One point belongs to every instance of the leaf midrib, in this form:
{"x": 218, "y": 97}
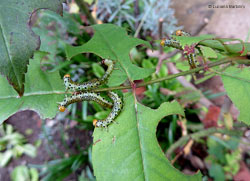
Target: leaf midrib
{"x": 135, "y": 104}
{"x": 113, "y": 51}
{"x": 138, "y": 133}
{"x": 34, "y": 94}
{"x": 8, "y": 53}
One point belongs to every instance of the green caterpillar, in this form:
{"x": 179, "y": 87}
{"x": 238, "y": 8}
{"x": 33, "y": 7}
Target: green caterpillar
{"x": 84, "y": 96}
{"x": 172, "y": 43}
{"x": 175, "y": 44}
{"x": 90, "y": 85}
{"x": 181, "y": 33}
{"x": 117, "y": 107}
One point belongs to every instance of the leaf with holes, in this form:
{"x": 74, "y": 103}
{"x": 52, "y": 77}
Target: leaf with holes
{"x": 112, "y": 42}
{"x": 130, "y": 150}
{"x": 17, "y": 41}
{"x": 42, "y": 92}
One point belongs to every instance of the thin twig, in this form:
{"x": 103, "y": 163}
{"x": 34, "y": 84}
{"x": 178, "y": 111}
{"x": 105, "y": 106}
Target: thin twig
{"x": 169, "y": 77}
{"x": 201, "y": 27}
{"x": 83, "y": 7}
{"x": 143, "y": 19}
{"x": 225, "y": 108}
{"x": 163, "y": 57}
{"x": 224, "y": 61}
{"x": 203, "y": 100}
{"x": 136, "y": 12}
{"x": 160, "y": 23}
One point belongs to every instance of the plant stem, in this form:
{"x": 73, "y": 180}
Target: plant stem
{"x": 160, "y": 24}
{"x": 136, "y": 12}
{"x": 223, "y": 61}
{"x": 143, "y": 19}
{"x": 203, "y": 133}
{"x": 83, "y": 7}
{"x": 226, "y": 60}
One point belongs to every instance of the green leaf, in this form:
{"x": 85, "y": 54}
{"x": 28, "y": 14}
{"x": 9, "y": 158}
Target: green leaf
{"x": 42, "y": 92}
{"x": 112, "y": 42}
{"x": 20, "y": 173}
{"x": 190, "y": 40}
{"x": 34, "y": 174}
{"x": 208, "y": 52}
{"x": 29, "y": 149}
{"x": 216, "y": 172}
{"x": 17, "y": 41}
{"x": 5, "y": 158}
{"x": 235, "y": 48}
{"x": 233, "y": 160}
{"x": 101, "y": 114}
{"x": 129, "y": 150}
{"x": 237, "y": 85}
{"x": 216, "y": 150}
{"x": 89, "y": 1}
{"x": 98, "y": 70}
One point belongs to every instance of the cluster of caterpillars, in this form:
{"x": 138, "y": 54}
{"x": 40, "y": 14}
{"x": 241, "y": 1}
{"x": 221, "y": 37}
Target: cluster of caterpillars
{"x": 176, "y": 44}
{"x": 84, "y": 92}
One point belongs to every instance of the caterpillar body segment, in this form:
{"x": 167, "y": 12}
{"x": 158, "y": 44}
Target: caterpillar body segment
{"x": 84, "y": 96}
{"x": 83, "y": 92}
{"x": 191, "y": 60}
{"x": 181, "y": 33}
{"x": 75, "y": 87}
{"x": 171, "y": 43}
{"x": 117, "y": 107}
{"x": 110, "y": 64}
{"x": 90, "y": 85}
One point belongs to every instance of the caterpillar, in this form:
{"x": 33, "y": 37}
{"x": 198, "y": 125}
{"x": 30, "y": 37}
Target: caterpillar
{"x": 175, "y": 44}
{"x": 117, "y": 107}
{"x": 84, "y": 96}
{"x": 191, "y": 60}
{"x": 81, "y": 92}
{"x": 171, "y": 43}
{"x": 181, "y": 33}
{"x": 75, "y": 87}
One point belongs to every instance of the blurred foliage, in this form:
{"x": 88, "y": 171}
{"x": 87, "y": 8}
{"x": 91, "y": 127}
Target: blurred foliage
{"x": 150, "y": 11}
{"x": 154, "y": 10}
{"x": 13, "y": 144}
{"x": 224, "y": 157}
{"x": 23, "y": 173}
{"x": 116, "y": 11}
{"x": 59, "y": 169}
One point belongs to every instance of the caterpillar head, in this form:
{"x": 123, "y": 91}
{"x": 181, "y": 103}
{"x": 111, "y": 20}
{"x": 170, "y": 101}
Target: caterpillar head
{"x": 163, "y": 42}
{"x": 94, "y": 122}
{"x": 107, "y": 62}
{"x": 61, "y": 108}
{"x": 98, "y": 123}
{"x": 178, "y": 33}
{"x": 181, "y": 33}
{"x": 66, "y": 76}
